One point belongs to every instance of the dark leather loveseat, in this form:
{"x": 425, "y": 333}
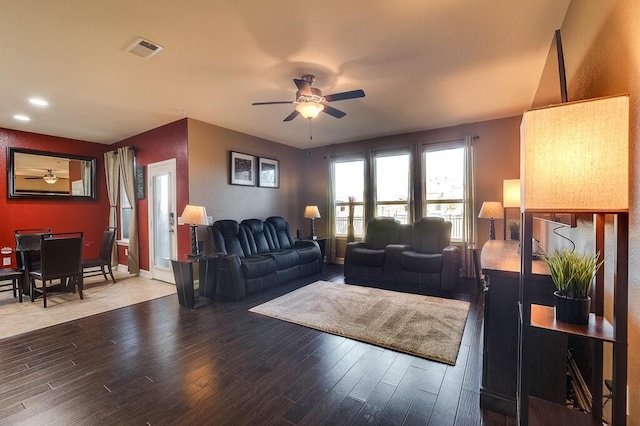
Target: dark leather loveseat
{"x": 254, "y": 255}
{"x": 417, "y": 255}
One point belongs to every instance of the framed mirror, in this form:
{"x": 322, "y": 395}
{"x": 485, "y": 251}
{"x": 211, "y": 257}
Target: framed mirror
{"x": 42, "y": 174}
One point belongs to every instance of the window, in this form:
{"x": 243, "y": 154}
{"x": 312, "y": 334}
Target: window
{"x": 348, "y": 181}
{"x": 443, "y": 180}
{"x": 392, "y": 186}
{"x": 125, "y": 214}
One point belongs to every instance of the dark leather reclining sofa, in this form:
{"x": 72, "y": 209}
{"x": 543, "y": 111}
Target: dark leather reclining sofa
{"x": 254, "y": 255}
{"x": 417, "y": 255}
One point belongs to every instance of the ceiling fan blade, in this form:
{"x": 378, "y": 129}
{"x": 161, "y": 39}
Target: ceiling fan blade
{"x": 291, "y": 116}
{"x": 272, "y": 103}
{"x": 345, "y": 95}
{"x": 303, "y": 87}
{"x": 33, "y": 177}
{"x": 333, "y": 112}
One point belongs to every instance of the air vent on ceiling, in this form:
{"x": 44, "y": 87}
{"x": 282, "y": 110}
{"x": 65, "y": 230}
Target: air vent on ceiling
{"x": 143, "y": 48}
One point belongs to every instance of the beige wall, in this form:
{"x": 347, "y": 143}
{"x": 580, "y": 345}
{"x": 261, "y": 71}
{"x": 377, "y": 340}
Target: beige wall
{"x": 496, "y": 158}
{"x": 209, "y": 148}
{"x": 601, "y": 41}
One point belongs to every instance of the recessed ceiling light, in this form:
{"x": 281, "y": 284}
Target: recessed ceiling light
{"x": 39, "y": 102}
{"x": 21, "y": 117}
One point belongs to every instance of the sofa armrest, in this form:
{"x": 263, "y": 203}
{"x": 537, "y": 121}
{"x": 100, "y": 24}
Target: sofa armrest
{"x": 348, "y": 273}
{"x": 305, "y": 243}
{"x": 231, "y": 281}
{"x": 450, "y": 268}
{"x": 392, "y": 264}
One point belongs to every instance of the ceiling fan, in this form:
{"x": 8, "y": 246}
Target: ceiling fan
{"x": 48, "y": 177}
{"x": 310, "y": 102}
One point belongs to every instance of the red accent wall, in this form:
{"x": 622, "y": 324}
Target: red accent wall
{"x": 59, "y": 215}
{"x": 163, "y": 143}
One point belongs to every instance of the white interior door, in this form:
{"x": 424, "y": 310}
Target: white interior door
{"x": 163, "y": 243}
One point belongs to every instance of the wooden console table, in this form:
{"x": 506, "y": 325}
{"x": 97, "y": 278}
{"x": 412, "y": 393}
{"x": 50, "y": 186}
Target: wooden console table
{"x": 500, "y": 263}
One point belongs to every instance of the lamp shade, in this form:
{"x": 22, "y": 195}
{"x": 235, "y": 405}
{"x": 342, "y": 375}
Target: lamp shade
{"x": 309, "y": 109}
{"x": 575, "y": 156}
{"x": 511, "y": 193}
{"x": 194, "y": 215}
{"x": 311, "y": 212}
{"x": 491, "y": 210}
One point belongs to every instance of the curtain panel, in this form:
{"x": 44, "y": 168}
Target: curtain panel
{"x": 127, "y": 170}
{"x": 469, "y": 234}
{"x": 112, "y": 174}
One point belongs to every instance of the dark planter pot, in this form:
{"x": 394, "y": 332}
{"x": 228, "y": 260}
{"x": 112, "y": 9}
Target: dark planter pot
{"x": 515, "y": 235}
{"x": 572, "y": 311}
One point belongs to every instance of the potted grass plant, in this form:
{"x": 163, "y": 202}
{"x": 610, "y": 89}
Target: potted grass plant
{"x": 350, "y": 228}
{"x": 572, "y": 274}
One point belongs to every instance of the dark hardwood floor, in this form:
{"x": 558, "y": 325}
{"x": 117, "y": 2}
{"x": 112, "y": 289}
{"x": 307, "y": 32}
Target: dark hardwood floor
{"x": 159, "y": 363}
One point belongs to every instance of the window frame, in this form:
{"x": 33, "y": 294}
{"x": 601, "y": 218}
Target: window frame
{"x": 336, "y": 204}
{"x": 459, "y": 144}
{"x": 124, "y": 204}
{"x": 374, "y": 178}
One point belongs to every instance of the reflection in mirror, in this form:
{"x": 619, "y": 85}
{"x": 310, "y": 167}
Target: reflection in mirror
{"x": 45, "y": 174}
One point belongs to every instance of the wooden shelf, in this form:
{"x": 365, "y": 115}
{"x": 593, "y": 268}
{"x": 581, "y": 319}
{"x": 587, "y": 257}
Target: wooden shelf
{"x": 546, "y": 413}
{"x": 598, "y": 327}
{"x": 599, "y": 330}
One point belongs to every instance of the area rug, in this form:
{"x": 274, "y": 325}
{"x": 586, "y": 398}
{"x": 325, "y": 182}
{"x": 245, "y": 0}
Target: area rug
{"x": 429, "y": 327}
{"x": 99, "y": 296}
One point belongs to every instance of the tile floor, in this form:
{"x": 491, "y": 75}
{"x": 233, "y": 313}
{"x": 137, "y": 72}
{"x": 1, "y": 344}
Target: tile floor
{"x": 99, "y": 296}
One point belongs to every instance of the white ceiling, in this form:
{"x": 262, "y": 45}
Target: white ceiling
{"x": 422, "y": 63}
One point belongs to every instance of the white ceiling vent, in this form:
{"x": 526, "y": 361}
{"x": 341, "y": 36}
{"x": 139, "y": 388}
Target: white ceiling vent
{"x": 143, "y": 48}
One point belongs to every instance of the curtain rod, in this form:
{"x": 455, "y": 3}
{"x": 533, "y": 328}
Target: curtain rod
{"x": 115, "y": 151}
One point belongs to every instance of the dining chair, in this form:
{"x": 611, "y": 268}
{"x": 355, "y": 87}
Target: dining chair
{"x": 95, "y": 267}
{"x": 15, "y": 276}
{"x": 28, "y": 252}
{"x": 28, "y": 247}
{"x": 60, "y": 259}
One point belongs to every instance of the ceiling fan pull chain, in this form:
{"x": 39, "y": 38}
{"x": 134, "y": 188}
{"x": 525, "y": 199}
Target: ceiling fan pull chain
{"x": 310, "y": 134}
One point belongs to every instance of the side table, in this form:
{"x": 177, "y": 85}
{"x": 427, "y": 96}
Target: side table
{"x": 183, "y": 272}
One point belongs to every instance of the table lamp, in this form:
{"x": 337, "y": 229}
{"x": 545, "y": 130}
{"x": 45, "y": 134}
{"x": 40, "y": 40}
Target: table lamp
{"x": 194, "y": 216}
{"x": 312, "y": 212}
{"x": 491, "y": 210}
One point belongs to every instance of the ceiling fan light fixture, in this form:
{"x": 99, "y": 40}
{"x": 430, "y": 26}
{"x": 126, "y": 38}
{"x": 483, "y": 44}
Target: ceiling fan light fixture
{"x": 50, "y": 178}
{"x": 309, "y": 109}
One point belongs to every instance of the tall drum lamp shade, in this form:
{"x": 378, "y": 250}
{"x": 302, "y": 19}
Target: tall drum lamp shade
{"x": 312, "y": 212}
{"x": 491, "y": 210}
{"x": 510, "y": 199}
{"x": 575, "y": 156}
{"x": 194, "y": 216}
{"x": 511, "y": 193}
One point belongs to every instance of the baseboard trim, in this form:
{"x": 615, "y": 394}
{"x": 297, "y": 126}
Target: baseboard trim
{"x": 143, "y": 273}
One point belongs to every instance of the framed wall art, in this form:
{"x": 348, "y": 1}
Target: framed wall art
{"x": 243, "y": 169}
{"x": 268, "y": 173}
